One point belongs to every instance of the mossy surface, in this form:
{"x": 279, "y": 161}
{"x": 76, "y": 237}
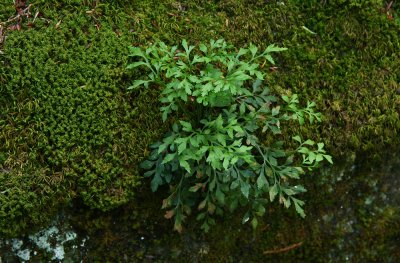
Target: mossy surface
{"x": 355, "y": 218}
{"x": 69, "y": 129}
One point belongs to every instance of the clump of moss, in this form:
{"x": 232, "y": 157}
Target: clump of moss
{"x": 68, "y": 128}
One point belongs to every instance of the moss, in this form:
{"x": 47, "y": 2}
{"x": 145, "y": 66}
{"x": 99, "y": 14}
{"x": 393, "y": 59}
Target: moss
{"x": 68, "y": 125}
{"x": 341, "y": 224}
{"x": 69, "y": 129}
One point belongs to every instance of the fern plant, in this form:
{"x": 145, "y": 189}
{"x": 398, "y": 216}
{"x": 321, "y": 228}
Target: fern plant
{"x": 214, "y": 159}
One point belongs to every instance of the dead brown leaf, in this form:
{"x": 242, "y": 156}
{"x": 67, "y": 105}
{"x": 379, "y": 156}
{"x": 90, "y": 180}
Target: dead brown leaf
{"x": 14, "y": 27}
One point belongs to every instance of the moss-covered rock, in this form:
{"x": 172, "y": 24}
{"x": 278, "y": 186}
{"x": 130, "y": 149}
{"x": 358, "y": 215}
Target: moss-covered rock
{"x": 69, "y": 129}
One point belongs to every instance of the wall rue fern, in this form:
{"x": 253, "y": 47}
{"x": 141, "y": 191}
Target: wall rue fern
{"x": 212, "y": 158}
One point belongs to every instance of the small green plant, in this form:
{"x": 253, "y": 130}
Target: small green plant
{"x": 213, "y": 159}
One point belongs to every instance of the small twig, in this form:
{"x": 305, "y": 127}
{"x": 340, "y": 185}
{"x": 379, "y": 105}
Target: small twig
{"x": 11, "y": 19}
{"x": 281, "y": 250}
{"x": 389, "y": 6}
{"x": 24, "y": 12}
{"x": 34, "y": 18}
{"x": 27, "y": 9}
{"x": 58, "y": 24}
{"x": 48, "y": 21}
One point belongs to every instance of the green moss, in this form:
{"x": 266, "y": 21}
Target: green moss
{"x": 69, "y": 129}
{"x": 342, "y": 222}
{"x": 67, "y": 123}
